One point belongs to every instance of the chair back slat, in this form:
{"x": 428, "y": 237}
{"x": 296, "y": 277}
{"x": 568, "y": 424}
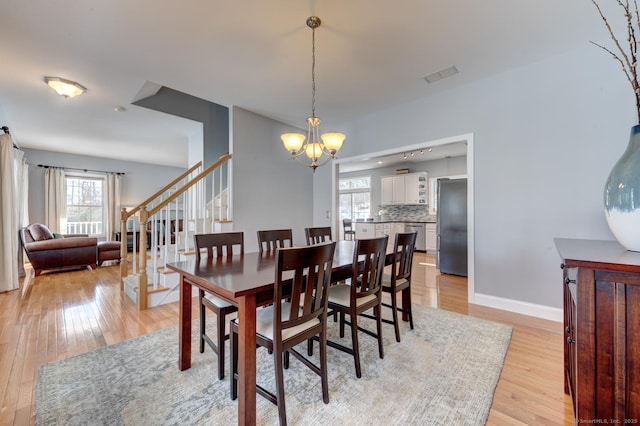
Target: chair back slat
{"x": 403, "y": 251}
{"x": 307, "y": 270}
{"x": 369, "y": 276}
{"x": 219, "y": 244}
{"x": 318, "y": 235}
{"x": 272, "y": 239}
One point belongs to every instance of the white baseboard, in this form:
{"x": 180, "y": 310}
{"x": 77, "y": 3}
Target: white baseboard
{"x": 525, "y": 308}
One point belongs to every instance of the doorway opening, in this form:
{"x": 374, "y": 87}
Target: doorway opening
{"x": 371, "y": 160}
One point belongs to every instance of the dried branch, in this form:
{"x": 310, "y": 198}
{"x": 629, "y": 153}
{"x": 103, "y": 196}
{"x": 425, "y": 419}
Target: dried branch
{"x": 627, "y": 59}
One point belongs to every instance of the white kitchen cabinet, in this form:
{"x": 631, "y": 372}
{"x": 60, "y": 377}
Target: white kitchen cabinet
{"x": 382, "y": 229}
{"x": 432, "y": 237}
{"x": 390, "y": 229}
{"x": 410, "y": 188}
{"x": 365, "y": 230}
{"x": 415, "y": 188}
{"x": 392, "y": 189}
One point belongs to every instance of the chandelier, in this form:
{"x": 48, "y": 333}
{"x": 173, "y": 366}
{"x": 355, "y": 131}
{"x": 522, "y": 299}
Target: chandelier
{"x": 316, "y": 147}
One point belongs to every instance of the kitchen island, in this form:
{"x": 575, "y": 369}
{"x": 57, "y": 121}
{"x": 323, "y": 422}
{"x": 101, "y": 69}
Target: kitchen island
{"x": 426, "y": 229}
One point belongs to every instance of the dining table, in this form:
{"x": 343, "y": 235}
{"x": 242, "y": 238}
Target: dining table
{"x": 247, "y": 281}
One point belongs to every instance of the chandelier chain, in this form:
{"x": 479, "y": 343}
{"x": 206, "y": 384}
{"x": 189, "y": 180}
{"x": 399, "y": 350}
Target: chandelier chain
{"x": 313, "y": 72}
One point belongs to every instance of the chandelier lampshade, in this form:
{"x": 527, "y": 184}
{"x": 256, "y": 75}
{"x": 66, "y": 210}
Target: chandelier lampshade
{"x": 293, "y": 141}
{"x": 319, "y": 149}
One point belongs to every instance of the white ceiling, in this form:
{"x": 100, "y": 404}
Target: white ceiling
{"x": 405, "y": 159}
{"x": 256, "y": 54}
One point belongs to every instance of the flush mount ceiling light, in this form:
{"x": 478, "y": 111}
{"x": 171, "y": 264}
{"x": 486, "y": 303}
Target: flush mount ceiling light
{"x": 313, "y": 147}
{"x": 65, "y": 88}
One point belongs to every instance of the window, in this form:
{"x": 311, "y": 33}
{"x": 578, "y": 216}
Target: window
{"x": 355, "y": 197}
{"x": 85, "y": 205}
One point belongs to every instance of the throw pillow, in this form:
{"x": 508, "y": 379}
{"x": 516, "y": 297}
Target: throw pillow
{"x": 40, "y": 232}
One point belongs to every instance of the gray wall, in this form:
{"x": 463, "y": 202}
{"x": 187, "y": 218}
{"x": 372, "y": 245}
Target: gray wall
{"x": 139, "y": 182}
{"x": 545, "y": 137}
{"x": 214, "y": 119}
{"x": 270, "y": 191}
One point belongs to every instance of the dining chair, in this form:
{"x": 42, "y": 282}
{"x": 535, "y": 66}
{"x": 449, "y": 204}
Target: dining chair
{"x": 271, "y": 239}
{"x": 318, "y": 235}
{"x": 362, "y": 294}
{"x": 298, "y": 312}
{"x": 399, "y": 280}
{"x": 216, "y": 245}
{"x": 349, "y": 232}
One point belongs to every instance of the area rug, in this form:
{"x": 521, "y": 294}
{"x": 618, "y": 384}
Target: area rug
{"x": 444, "y": 372}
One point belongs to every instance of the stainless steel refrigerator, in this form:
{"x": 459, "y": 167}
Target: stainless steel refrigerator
{"x": 451, "y": 255}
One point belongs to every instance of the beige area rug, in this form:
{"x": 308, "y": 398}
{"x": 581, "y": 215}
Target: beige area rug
{"x": 444, "y": 372}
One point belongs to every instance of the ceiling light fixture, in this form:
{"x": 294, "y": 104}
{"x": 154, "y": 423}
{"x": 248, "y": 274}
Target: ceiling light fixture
{"x": 313, "y": 148}
{"x": 65, "y": 88}
{"x": 439, "y": 75}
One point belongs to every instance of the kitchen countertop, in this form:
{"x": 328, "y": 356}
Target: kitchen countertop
{"x": 426, "y": 220}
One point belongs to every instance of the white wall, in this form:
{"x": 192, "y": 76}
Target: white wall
{"x": 545, "y": 137}
{"x": 270, "y": 191}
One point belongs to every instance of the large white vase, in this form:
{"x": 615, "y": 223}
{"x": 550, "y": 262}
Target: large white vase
{"x": 622, "y": 195}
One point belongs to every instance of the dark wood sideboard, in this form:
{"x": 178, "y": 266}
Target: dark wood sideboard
{"x": 602, "y": 330}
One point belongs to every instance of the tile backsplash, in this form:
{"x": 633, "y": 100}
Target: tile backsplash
{"x": 403, "y": 212}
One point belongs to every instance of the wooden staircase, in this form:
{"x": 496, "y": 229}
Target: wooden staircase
{"x": 194, "y": 202}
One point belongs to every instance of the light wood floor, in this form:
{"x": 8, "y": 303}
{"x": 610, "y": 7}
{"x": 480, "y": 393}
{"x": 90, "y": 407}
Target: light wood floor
{"x": 64, "y": 314}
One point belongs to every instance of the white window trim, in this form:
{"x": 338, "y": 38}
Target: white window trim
{"x": 103, "y": 178}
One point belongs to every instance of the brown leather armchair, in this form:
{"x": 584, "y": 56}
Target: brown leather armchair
{"x": 48, "y": 252}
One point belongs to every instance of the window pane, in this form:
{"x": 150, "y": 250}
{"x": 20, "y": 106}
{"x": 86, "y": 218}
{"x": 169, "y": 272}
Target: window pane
{"x": 355, "y": 197}
{"x": 346, "y": 208}
{"x": 355, "y": 205}
{"x": 361, "y": 202}
{"x": 362, "y": 182}
{"x": 85, "y": 207}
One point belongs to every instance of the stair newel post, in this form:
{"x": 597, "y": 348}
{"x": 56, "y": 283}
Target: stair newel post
{"x": 124, "y": 270}
{"x": 142, "y": 273}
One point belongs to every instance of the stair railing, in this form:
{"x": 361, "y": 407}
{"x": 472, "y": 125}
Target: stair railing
{"x": 187, "y": 188}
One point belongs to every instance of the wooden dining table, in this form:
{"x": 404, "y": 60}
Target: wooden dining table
{"x": 247, "y": 281}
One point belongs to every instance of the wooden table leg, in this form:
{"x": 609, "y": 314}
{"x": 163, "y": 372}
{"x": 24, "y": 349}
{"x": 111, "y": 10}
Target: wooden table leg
{"x": 184, "y": 328}
{"x": 247, "y": 360}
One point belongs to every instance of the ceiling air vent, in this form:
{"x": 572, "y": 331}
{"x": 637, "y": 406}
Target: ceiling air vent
{"x": 439, "y": 75}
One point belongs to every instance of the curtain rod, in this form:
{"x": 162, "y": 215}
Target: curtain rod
{"x": 5, "y": 129}
{"x": 81, "y": 170}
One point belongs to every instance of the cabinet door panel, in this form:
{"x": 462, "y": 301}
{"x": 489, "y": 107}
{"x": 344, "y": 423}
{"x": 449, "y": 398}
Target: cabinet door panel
{"x": 605, "y": 361}
{"x": 386, "y": 190}
{"x": 411, "y": 188}
{"x": 632, "y": 368}
{"x": 398, "y": 190}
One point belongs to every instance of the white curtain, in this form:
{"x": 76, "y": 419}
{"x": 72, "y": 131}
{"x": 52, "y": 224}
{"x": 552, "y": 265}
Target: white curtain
{"x": 21, "y": 176}
{"x": 13, "y": 201}
{"x": 114, "y": 189}
{"x": 55, "y": 203}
